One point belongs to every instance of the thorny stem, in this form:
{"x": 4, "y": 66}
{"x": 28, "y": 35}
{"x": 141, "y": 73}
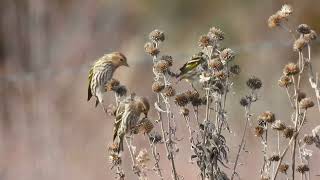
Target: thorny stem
{"x": 288, "y": 146}
{"x": 247, "y": 115}
{"x": 156, "y": 157}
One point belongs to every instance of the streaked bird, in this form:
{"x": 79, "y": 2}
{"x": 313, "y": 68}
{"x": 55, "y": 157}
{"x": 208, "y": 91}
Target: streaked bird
{"x": 127, "y": 118}
{"x": 101, "y": 72}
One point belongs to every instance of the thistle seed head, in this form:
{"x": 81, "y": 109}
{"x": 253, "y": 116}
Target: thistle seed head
{"x": 267, "y": 116}
{"x": 303, "y": 168}
{"x": 284, "y": 81}
{"x": 150, "y": 48}
{"x": 308, "y": 139}
{"x": 283, "y": 168}
{"x": 278, "y": 125}
{"x": 161, "y": 66}
{"x": 227, "y": 55}
{"x": 216, "y": 33}
{"x": 157, "y": 36}
{"x": 215, "y": 64}
{"x": 274, "y": 158}
{"x": 254, "y": 83}
{"x": 184, "y": 111}
{"x": 306, "y": 103}
{"x": 235, "y": 69}
{"x": 167, "y": 58}
{"x": 303, "y": 29}
{"x": 288, "y": 132}
{"x": 181, "y": 99}
{"x": 291, "y": 69}
{"x": 300, "y": 43}
{"x": 157, "y": 87}
{"x": 259, "y": 131}
{"x": 169, "y": 91}
{"x": 110, "y": 86}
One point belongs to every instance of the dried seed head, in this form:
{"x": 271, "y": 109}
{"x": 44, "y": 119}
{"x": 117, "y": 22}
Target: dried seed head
{"x": 215, "y": 64}
{"x": 145, "y": 126}
{"x": 283, "y": 168}
{"x": 278, "y": 125}
{"x": 184, "y": 111}
{"x": 274, "y": 20}
{"x": 150, "y": 48}
{"x": 143, "y": 158}
{"x": 299, "y": 44}
{"x": 161, "y": 66}
{"x": 227, "y": 55}
{"x": 306, "y": 103}
{"x": 267, "y": 116}
{"x": 258, "y": 131}
{"x": 181, "y": 99}
{"x": 244, "y": 101}
{"x": 284, "y": 81}
{"x": 311, "y": 36}
{"x": 157, "y": 87}
{"x": 274, "y": 158}
{"x": 156, "y": 35}
{"x": 265, "y": 178}
{"x": 291, "y": 69}
{"x": 205, "y": 41}
{"x": 262, "y": 123}
{"x": 235, "y": 69}
{"x": 155, "y": 138}
{"x": 169, "y": 91}
{"x": 303, "y": 168}
{"x": 197, "y": 102}
{"x": 288, "y": 132}
{"x": 120, "y": 90}
{"x": 216, "y": 33}
{"x": 167, "y": 58}
{"x": 220, "y": 75}
{"x": 303, "y": 29}
{"x": 254, "y": 83}
{"x": 308, "y": 139}
{"x": 301, "y": 95}
{"x": 286, "y": 10}
{"x": 110, "y": 86}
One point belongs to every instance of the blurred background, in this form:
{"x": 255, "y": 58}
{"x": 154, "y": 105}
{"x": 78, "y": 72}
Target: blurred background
{"x": 47, "y": 128}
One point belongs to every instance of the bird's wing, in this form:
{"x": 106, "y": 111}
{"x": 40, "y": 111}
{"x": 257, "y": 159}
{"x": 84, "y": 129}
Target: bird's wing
{"x": 119, "y": 114}
{"x": 190, "y": 65}
{"x": 89, "y": 83}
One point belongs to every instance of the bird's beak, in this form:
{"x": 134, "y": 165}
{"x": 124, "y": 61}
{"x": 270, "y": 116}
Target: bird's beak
{"x": 145, "y": 115}
{"x": 126, "y": 64}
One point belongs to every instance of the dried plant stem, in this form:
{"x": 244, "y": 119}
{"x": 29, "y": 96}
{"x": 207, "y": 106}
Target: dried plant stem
{"x": 278, "y": 134}
{"x": 134, "y": 166}
{"x": 205, "y": 130}
{"x": 289, "y": 97}
{"x": 288, "y": 146}
{"x": 314, "y": 81}
{"x": 247, "y": 115}
{"x": 156, "y": 158}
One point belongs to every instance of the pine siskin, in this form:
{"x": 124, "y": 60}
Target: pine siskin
{"x": 127, "y": 118}
{"x": 101, "y": 72}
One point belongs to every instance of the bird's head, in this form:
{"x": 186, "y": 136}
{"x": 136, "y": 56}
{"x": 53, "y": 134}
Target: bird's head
{"x": 118, "y": 59}
{"x": 143, "y": 105}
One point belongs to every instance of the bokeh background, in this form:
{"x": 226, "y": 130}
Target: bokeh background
{"x": 47, "y": 128}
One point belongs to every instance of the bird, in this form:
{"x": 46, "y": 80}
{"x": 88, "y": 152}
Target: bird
{"x": 127, "y": 118}
{"x": 101, "y": 72}
{"x": 191, "y": 71}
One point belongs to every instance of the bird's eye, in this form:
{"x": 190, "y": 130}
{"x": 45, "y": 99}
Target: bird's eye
{"x": 121, "y": 59}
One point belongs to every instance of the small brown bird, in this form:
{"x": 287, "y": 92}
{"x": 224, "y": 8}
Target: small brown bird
{"x": 101, "y": 72}
{"x": 127, "y": 118}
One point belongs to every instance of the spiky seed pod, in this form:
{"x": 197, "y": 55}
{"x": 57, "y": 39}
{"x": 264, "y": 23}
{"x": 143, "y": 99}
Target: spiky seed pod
{"x": 220, "y": 75}
{"x": 120, "y": 90}
{"x": 235, "y": 69}
{"x": 303, "y": 168}
{"x": 112, "y": 84}
{"x": 278, "y": 125}
{"x": 274, "y": 158}
{"x": 157, "y": 87}
{"x": 301, "y": 95}
{"x": 283, "y": 168}
{"x": 169, "y": 91}
{"x": 308, "y": 139}
{"x": 181, "y": 99}
{"x": 196, "y": 102}
{"x": 303, "y": 29}
{"x": 284, "y": 81}
{"x": 184, "y": 111}
{"x": 288, "y": 132}
{"x": 274, "y": 20}
{"x": 150, "y": 48}
{"x": 291, "y": 69}
{"x": 215, "y": 64}
{"x": 227, "y": 55}
{"x": 244, "y": 101}
{"x": 155, "y": 138}
{"x": 157, "y": 35}
{"x": 299, "y": 44}
{"x": 167, "y": 58}
{"x": 311, "y": 36}
{"x": 192, "y": 95}
{"x": 161, "y": 66}
{"x": 205, "y": 41}
{"x": 145, "y": 126}
{"x": 254, "y": 83}
{"x": 216, "y": 33}
{"x": 267, "y": 116}
{"x": 306, "y": 103}
{"x": 258, "y": 131}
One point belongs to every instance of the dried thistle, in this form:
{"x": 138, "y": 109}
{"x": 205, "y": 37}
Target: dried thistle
{"x": 157, "y": 35}
{"x": 181, "y": 99}
{"x": 155, "y": 138}
{"x": 301, "y": 95}
{"x": 274, "y": 158}
{"x": 221, "y": 75}
{"x": 120, "y": 90}
{"x": 288, "y": 132}
{"x": 286, "y": 10}
{"x": 169, "y": 91}
{"x": 265, "y": 178}
{"x": 285, "y": 81}
{"x": 161, "y": 66}
{"x": 291, "y": 69}
{"x": 303, "y": 168}
{"x": 244, "y": 101}
{"x": 184, "y": 111}
{"x": 308, "y": 139}
{"x": 215, "y": 64}
{"x": 267, "y": 116}
{"x": 259, "y": 131}
{"x": 205, "y": 41}
{"x": 283, "y": 168}
{"x": 300, "y": 43}
{"x": 303, "y": 29}
{"x": 143, "y": 158}
{"x": 274, "y": 20}
{"x": 150, "y": 48}
{"x": 157, "y": 87}
{"x": 216, "y": 33}
{"x": 235, "y": 69}
{"x": 112, "y": 84}
{"x": 254, "y": 83}
{"x": 306, "y": 103}
{"x": 227, "y": 55}
{"x": 167, "y": 58}
{"x": 311, "y": 36}
{"x": 278, "y": 125}
{"x": 145, "y": 126}
{"x": 192, "y": 95}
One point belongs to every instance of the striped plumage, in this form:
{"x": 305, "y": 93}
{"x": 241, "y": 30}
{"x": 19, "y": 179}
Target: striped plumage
{"x": 127, "y": 118}
{"x": 101, "y": 72}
